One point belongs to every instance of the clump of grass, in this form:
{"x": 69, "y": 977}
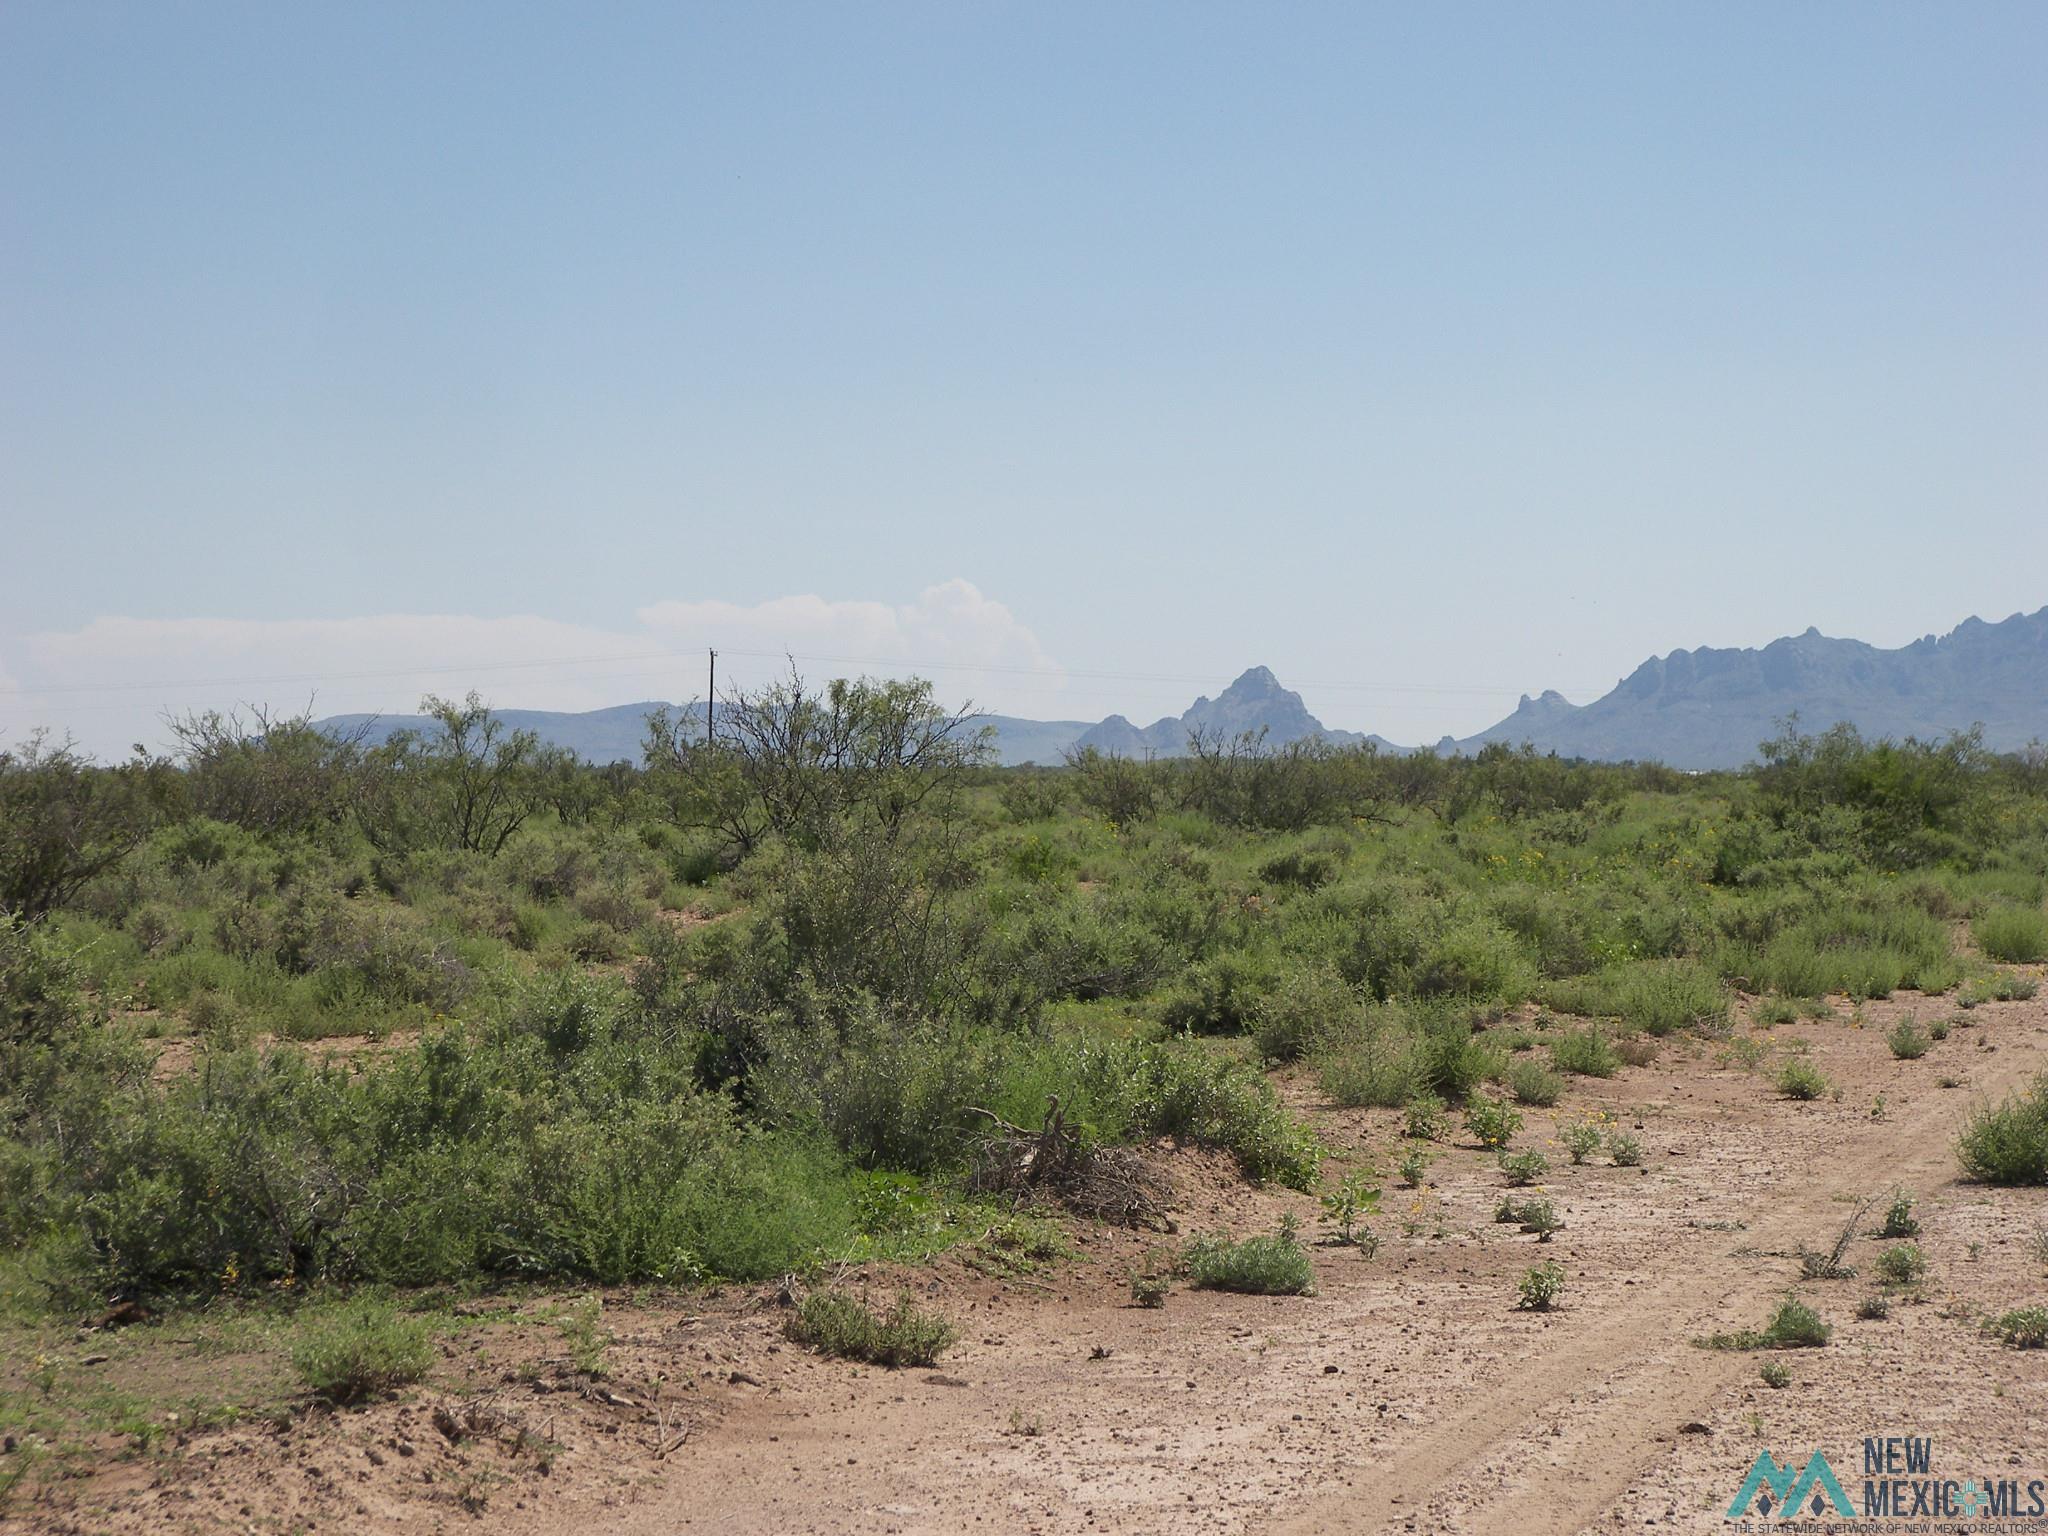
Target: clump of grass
{"x": 1533, "y": 1083}
{"x": 832, "y": 1323}
{"x": 2013, "y": 934}
{"x": 2008, "y": 1143}
{"x": 1584, "y": 1053}
{"x": 1776, "y": 1374}
{"x": 1259, "y": 1266}
{"x": 1492, "y": 1122}
{"x": 362, "y": 1350}
{"x": 2021, "y": 1328}
{"x": 1874, "y": 1309}
{"x": 1540, "y": 1287}
{"x": 1902, "y": 1264}
{"x": 1801, "y": 1079}
{"x": 1906, "y": 1041}
{"x": 1523, "y": 1168}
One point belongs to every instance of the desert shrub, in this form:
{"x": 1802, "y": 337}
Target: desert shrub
{"x": 1899, "y": 1220}
{"x": 1901, "y": 1264}
{"x": 1492, "y": 1122}
{"x": 1658, "y": 996}
{"x": 2021, "y": 1328}
{"x": 1533, "y": 1083}
{"x": 1906, "y": 1041}
{"x": 1260, "y": 1266}
{"x": 1626, "y": 1149}
{"x": 1427, "y": 1118}
{"x": 1452, "y": 1060}
{"x": 1523, "y": 1168}
{"x": 1540, "y": 1287}
{"x": 839, "y": 1325}
{"x": 1874, "y": 1309}
{"x": 1223, "y": 993}
{"x": 1775, "y": 1374}
{"x": 1556, "y": 930}
{"x": 1581, "y": 1140}
{"x": 1864, "y": 947}
{"x": 1376, "y": 1062}
{"x": 1125, "y": 1090}
{"x": 2008, "y": 1143}
{"x": 1584, "y": 1052}
{"x": 361, "y": 1350}
{"x": 1308, "y": 1003}
{"x": 1799, "y": 1078}
{"x": 1473, "y": 960}
{"x": 1794, "y": 1325}
{"x": 2016, "y": 935}
{"x": 1301, "y": 868}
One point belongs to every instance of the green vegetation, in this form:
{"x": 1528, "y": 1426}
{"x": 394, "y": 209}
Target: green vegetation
{"x": 2016, "y": 935}
{"x": 843, "y": 1326}
{"x": 2021, "y": 1328}
{"x": 1540, "y": 1287}
{"x": 362, "y": 1350}
{"x": 1260, "y": 1266}
{"x": 1800, "y": 1079}
{"x": 1794, "y": 1325}
{"x": 2008, "y": 1143}
{"x": 290, "y": 1012}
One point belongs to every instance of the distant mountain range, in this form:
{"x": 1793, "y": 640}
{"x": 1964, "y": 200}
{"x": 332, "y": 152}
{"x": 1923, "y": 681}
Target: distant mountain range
{"x": 1691, "y": 709}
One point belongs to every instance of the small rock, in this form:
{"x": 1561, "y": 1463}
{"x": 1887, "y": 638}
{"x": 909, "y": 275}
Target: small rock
{"x": 1695, "y": 1427}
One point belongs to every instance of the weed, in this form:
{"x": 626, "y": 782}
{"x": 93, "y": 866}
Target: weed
{"x": 1874, "y": 1309}
{"x": 1492, "y": 1122}
{"x": 1776, "y": 1374}
{"x": 2014, "y": 934}
{"x": 2021, "y": 1328}
{"x": 1540, "y": 1287}
{"x": 582, "y": 1329}
{"x": 1902, "y": 1264}
{"x": 1539, "y": 1217}
{"x": 363, "y": 1349}
{"x": 1533, "y": 1083}
{"x": 1584, "y": 1053}
{"x": 1352, "y": 1203}
{"x": 1523, "y": 1168}
{"x": 1794, "y": 1325}
{"x": 1625, "y": 1148}
{"x": 1801, "y": 1079}
{"x": 2008, "y": 1144}
{"x": 832, "y": 1323}
{"x": 1582, "y": 1140}
{"x": 1258, "y": 1266}
{"x": 1899, "y": 1220}
{"x": 1413, "y": 1165}
{"x": 1906, "y": 1041}
{"x": 1427, "y": 1119}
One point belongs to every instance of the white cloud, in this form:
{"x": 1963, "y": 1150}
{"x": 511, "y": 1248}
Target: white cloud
{"x": 111, "y": 682}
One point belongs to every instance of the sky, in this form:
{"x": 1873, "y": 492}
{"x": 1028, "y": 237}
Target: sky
{"x": 1074, "y": 356}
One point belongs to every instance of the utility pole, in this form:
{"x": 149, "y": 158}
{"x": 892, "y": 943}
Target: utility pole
{"x": 711, "y": 703}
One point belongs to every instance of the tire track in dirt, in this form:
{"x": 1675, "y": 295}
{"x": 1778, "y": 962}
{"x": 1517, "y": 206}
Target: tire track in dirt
{"x": 1513, "y": 1457}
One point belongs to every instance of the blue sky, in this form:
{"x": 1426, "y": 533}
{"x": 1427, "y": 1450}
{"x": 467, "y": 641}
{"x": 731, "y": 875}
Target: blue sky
{"x": 1080, "y": 356}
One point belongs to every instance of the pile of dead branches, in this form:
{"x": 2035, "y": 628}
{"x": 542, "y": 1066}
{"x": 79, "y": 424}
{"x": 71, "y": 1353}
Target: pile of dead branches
{"x": 1055, "y": 1163}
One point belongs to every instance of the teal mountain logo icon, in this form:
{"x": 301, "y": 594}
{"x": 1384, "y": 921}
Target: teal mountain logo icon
{"x": 1792, "y": 1491}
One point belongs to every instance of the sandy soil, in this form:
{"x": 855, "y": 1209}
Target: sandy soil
{"x": 1407, "y": 1394}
